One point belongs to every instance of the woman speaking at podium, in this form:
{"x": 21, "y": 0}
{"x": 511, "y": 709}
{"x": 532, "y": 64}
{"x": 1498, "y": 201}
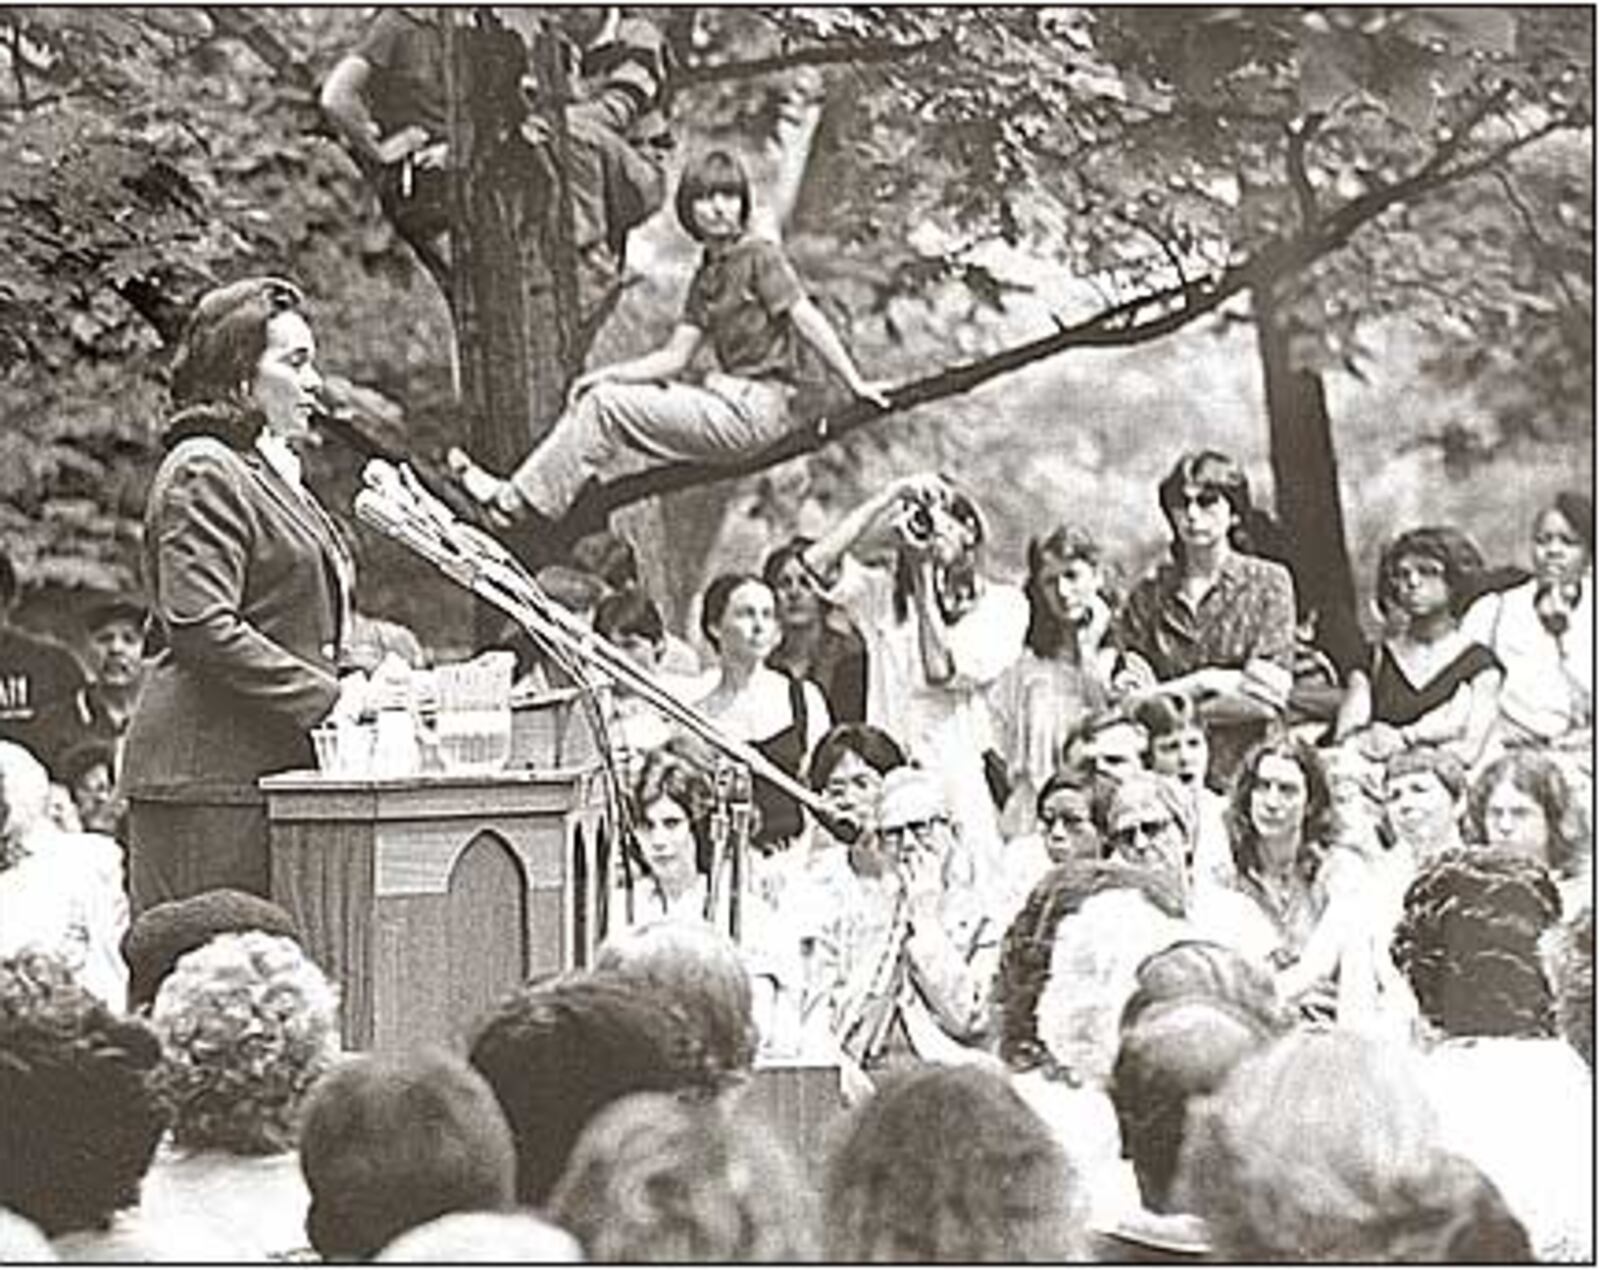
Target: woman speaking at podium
{"x": 250, "y": 596}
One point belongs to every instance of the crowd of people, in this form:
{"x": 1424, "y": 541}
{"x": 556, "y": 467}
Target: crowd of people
{"x": 1135, "y": 931}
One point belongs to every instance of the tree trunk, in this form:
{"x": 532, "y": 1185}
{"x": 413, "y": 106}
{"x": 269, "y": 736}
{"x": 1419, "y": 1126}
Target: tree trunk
{"x": 1306, "y": 475}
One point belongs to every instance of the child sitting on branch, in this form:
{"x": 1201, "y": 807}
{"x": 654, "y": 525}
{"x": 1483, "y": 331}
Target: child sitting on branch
{"x": 746, "y": 299}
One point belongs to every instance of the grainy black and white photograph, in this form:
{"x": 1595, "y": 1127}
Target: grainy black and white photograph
{"x": 759, "y": 634}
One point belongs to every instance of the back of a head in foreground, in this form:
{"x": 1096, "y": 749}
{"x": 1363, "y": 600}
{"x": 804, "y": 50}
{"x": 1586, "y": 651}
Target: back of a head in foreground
{"x": 164, "y": 932}
{"x": 484, "y": 1238}
{"x": 1569, "y": 960}
{"x": 557, "y": 1051}
{"x": 655, "y": 1178}
{"x": 79, "y": 1113}
{"x": 1173, "y": 1053}
{"x": 1201, "y": 968}
{"x": 1324, "y": 1148}
{"x": 702, "y": 969}
{"x": 391, "y": 1142}
{"x": 950, "y": 1164}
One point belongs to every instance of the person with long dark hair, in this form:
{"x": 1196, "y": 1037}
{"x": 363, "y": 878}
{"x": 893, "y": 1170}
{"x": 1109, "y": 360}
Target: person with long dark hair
{"x": 746, "y": 302}
{"x": 250, "y": 587}
{"x": 1215, "y": 622}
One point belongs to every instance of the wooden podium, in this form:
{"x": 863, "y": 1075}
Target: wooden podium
{"x": 428, "y": 898}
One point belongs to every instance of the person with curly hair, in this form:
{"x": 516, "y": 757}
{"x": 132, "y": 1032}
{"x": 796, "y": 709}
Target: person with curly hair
{"x": 1509, "y": 1092}
{"x": 1542, "y": 631}
{"x": 247, "y": 1024}
{"x": 1065, "y": 667}
{"x": 1324, "y": 1147}
{"x": 950, "y": 1164}
{"x": 80, "y": 1115}
{"x": 393, "y": 1141}
{"x": 1428, "y": 681}
{"x": 558, "y": 1050}
{"x": 657, "y": 1179}
{"x": 1202, "y": 968}
{"x": 1298, "y": 904}
{"x": 1524, "y": 802}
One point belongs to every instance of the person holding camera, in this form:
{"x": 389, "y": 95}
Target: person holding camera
{"x": 937, "y": 635}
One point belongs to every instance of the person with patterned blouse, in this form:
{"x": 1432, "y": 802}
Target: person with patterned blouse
{"x": 1213, "y": 622}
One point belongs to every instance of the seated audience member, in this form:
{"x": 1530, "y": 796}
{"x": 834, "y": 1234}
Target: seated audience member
{"x": 247, "y": 1025}
{"x": 87, "y": 771}
{"x": 1199, "y": 968}
{"x": 920, "y": 992}
{"x": 1523, "y": 802}
{"x": 1542, "y": 632}
{"x": 391, "y": 1142}
{"x": 1109, "y": 744}
{"x": 1508, "y": 1091}
{"x": 61, "y": 892}
{"x": 631, "y": 621}
{"x": 1297, "y": 905}
{"x": 557, "y": 1051}
{"x": 818, "y": 642}
{"x": 164, "y": 932}
{"x": 781, "y": 716}
{"x": 1428, "y": 682}
{"x": 848, "y": 769}
{"x": 704, "y": 974}
{"x": 1324, "y": 1148}
{"x": 1173, "y": 1053}
{"x": 1569, "y": 963}
{"x": 79, "y": 1115}
{"x": 915, "y": 1176}
{"x": 1215, "y": 622}
{"x": 938, "y": 634}
{"x": 656, "y": 1179}
{"x": 102, "y": 708}
{"x": 1178, "y": 748}
{"x": 519, "y": 1238}
{"x": 1424, "y": 796}
{"x": 1356, "y": 800}
{"x": 1065, "y": 814}
{"x": 1064, "y": 670}
{"x": 1150, "y": 825}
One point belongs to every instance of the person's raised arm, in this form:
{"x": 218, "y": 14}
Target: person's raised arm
{"x": 667, "y": 361}
{"x": 815, "y": 329}
{"x": 822, "y": 557}
{"x": 344, "y": 103}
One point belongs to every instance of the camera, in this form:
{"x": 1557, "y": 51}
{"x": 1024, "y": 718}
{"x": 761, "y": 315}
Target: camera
{"x": 916, "y": 522}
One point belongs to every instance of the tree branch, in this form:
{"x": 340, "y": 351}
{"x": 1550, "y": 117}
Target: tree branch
{"x": 1132, "y": 322}
{"x": 856, "y": 52}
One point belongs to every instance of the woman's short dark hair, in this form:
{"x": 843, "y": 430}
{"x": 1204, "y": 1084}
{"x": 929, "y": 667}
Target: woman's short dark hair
{"x": 873, "y": 746}
{"x": 779, "y": 557}
{"x": 1539, "y": 777}
{"x": 79, "y": 1113}
{"x": 393, "y": 1141}
{"x": 1025, "y": 953}
{"x": 558, "y": 1050}
{"x": 224, "y": 338}
{"x": 654, "y": 1178}
{"x": 714, "y": 604}
{"x": 714, "y": 172}
{"x": 629, "y": 613}
{"x": 1325, "y": 1147}
{"x": 1468, "y": 943}
{"x": 1451, "y": 549}
{"x": 1315, "y": 826}
{"x": 1047, "y": 635}
{"x": 1077, "y": 780}
{"x": 1577, "y": 510}
{"x": 950, "y": 1164}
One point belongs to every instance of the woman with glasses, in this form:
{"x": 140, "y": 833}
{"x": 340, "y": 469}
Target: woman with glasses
{"x": 250, "y": 587}
{"x": 1428, "y": 681}
{"x": 1150, "y": 825}
{"x": 1214, "y": 623}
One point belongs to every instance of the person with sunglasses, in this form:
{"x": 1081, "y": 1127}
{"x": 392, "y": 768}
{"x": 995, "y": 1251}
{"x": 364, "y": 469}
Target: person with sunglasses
{"x": 1429, "y": 682}
{"x": 1214, "y": 622}
{"x": 1150, "y": 825}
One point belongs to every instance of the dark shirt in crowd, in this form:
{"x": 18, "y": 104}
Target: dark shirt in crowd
{"x": 38, "y": 678}
{"x": 738, "y": 298}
